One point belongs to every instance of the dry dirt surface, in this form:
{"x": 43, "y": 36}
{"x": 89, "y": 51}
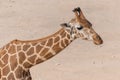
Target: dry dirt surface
{"x": 82, "y": 60}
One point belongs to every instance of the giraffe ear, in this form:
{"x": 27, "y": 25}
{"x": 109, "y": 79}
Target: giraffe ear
{"x": 65, "y": 25}
{"x": 77, "y": 9}
{"x": 79, "y": 12}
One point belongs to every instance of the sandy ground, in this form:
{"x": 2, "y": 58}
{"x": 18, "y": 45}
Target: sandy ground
{"x": 82, "y": 60}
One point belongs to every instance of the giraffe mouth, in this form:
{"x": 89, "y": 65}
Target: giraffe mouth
{"x": 97, "y": 40}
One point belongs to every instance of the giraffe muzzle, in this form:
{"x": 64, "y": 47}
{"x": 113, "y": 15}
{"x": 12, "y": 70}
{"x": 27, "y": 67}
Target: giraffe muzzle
{"x": 97, "y": 40}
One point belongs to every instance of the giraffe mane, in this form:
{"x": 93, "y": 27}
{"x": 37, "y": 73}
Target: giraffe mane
{"x": 36, "y": 40}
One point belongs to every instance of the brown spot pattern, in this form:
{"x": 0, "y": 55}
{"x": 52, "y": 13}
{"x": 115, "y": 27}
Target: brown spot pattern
{"x": 31, "y": 51}
{"x": 68, "y": 36}
{"x": 19, "y": 72}
{"x": 57, "y": 48}
{"x": 44, "y": 52}
{"x": 7, "y": 46}
{"x": 50, "y": 42}
{"x": 34, "y": 43}
{"x": 13, "y": 62}
{"x": 27, "y": 65}
{"x": 5, "y": 59}
{"x": 32, "y": 59}
{"x": 1, "y": 64}
{"x": 39, "y": 61}
{"x": 2, "y": 53}
{"x": 4, "y": 79}
{"x": 62, "y": 43}
{"x": 43, "y": 42}
{"x": 0, "y": 74}
{"x": 18, "y": 48}
{"x": 22, "y": 57}
{"x": 6, "y": 70}
{"x": 63, "y": 34}
{"x": 49, "y": 55}
{"x": 66, "y": 42}
{"x": 38, "y": 48}
{"x": 25, "y": 47}
{"x": 12, "y": 49}
{"x": 56, "y": 39}
{"x": 11, "y": 77}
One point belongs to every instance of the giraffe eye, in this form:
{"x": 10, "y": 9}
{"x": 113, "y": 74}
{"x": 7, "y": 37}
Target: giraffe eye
{"x": 79, "y": 28}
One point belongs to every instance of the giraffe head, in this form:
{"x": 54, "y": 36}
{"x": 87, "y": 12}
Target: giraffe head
{"x": 80, "y": 27}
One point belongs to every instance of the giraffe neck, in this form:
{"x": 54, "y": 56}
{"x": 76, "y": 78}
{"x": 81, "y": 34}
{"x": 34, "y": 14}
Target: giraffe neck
{"x": 48, "y": 47}
{"x": 30, "y": 53}
{"x": 17, "y": 57}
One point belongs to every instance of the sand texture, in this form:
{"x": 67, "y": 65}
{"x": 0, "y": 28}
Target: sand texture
{"x": 82, "y": 60}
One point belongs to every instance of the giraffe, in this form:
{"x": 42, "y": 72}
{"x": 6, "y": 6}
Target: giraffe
{"x": 17, "y": 57}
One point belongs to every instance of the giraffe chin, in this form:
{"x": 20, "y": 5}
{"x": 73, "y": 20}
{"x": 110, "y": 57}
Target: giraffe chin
{"x": 98, "y": 42}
